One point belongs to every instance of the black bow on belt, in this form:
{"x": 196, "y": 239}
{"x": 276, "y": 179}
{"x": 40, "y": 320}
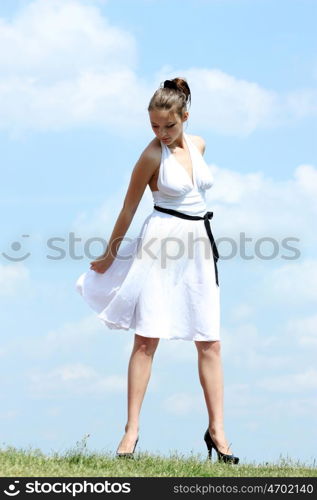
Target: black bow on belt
{"x": 206, "y": 217}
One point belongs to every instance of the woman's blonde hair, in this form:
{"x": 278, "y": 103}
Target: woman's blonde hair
{"x": 172, "y": 95}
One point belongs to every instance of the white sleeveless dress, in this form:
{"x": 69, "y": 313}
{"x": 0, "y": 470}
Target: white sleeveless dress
{"x": 163, "y": 283}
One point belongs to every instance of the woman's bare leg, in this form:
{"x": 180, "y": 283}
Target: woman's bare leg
{"x": 211, "y": 379}
{"x": 139, "y": 372}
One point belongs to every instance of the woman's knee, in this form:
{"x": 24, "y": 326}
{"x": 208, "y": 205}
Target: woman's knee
{"x": 208, "y": 348}
{"x": 147, "y": 345}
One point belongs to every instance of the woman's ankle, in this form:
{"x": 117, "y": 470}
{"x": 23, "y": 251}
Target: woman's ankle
{"x": 132, "y": 427}
{"x": 216, "y": 428}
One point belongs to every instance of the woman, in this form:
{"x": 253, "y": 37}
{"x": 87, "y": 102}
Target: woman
{"x": 160, "y": 290}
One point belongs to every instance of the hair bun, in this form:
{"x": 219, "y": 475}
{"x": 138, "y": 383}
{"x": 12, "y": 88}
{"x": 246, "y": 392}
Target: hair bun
{"x": 170, "y": 84}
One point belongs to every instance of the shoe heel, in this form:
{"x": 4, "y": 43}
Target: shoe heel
{"x": 209, "y": 450}
{"x": 208, "y": 444}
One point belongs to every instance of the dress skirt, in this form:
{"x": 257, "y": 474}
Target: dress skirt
{"x": 161, "y": 283}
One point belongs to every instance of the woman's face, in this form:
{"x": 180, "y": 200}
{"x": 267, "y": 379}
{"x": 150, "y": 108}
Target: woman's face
{"x": 167, "y": 125}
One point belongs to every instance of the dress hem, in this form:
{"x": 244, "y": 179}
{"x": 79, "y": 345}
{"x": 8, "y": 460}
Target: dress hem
{"x": 114, "y": 326}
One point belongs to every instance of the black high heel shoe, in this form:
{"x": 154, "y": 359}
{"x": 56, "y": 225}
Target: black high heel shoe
{"x": 222, "y": 457}
{"x": 127, "y": 455}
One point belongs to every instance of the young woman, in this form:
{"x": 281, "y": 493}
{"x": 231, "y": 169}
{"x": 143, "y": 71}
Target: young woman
{"x": 164, "y": 284}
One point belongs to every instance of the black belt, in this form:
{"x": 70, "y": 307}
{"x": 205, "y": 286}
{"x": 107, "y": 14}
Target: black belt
{"x": 206, "y": 217}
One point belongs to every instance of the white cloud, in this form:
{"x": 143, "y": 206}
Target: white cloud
{"x": 74, "y": 379}
{"x": 52, "y": 40}
{"x": 301, "y": 103}
{"x": 75, "y": 372}
{"x": 69, "y": 333}
{"x": 292, "y": 405}
{"x": 8, "y": 414}
{"x": 306, "y": 180}
{"x": 293, "y": 284}
{"x": 247, "y": 401}
{"x": 183, "y": 403}
{"x": 65, "y": 65}
{"x": 240, "y": 401}
{"x": 14, "y": 280}
{"x": 243, "y": 345}
{"x": 241, "y": 312}
{"x": 60, "y": 340}
{"x": 255, "y": 203}
{"x": 303, "y": 330}
{"x": 294, "y": 382}
{"x": 53, "y": 411}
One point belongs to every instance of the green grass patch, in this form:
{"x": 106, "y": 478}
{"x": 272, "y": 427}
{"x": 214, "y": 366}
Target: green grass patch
{"x": 78, "y": 462}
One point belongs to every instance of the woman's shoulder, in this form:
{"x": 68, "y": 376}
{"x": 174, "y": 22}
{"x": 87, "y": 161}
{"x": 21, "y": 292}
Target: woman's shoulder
{"x": 153, "y": 150}
{"x": 199, "y": 142}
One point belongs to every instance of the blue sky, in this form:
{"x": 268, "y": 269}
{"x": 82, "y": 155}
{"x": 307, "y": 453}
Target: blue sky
{"x": 75, "y": 80}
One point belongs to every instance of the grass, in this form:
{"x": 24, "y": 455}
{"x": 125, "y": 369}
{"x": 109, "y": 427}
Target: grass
{"x": 78, "y": 462}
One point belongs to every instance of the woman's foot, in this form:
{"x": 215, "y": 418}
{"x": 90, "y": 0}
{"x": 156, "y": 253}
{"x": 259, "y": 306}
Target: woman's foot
{"x": 218, "y": 436}
{"x": 128, "y": 441}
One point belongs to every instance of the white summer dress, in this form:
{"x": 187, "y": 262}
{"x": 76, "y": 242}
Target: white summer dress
{"x": 163, "y": 282}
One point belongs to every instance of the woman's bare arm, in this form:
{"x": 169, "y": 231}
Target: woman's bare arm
{"x": 140, "y": 177}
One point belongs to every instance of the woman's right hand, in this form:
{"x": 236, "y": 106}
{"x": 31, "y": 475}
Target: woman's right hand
{"x": 101, "y": 264}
